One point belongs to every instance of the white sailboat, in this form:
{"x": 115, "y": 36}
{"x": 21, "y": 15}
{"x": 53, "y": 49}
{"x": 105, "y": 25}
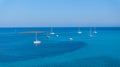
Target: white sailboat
{"x": 70, "y": 38}
{"x": 91, "y": 35}
{"x": 37, "y": 42}
{"x": 47, "y": 35}
{"x": 57, "y": 35}
{"x": 51, "y": 32}
{"x": 95, "y": 32}
{"x": 79, "y": 32}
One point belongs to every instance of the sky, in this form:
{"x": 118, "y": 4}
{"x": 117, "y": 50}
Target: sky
{"x": 59, "y": 13}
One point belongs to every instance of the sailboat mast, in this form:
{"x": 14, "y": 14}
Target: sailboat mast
{"x": 36, "y": 35}
{"x": 90, "y": 31}
{"x": 78, "y": 28}
{"x": 94, "y": 28}
{"x": 51, "y": 29}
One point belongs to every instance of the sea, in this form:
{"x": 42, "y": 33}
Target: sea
{"x": 101, "y": 50}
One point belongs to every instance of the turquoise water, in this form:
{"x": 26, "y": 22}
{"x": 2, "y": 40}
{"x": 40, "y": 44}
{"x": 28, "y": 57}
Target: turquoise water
{"x": 18, "y": 50}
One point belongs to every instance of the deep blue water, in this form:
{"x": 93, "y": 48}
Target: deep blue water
{"x": 102, "y": 50}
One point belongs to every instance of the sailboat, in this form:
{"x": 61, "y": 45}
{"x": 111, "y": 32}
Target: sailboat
{"x": 91, "y": 35}
{"x": 95, "y": 32}
{"x": 79, "y": 32}
{"x": 47, "y": 36}
{"x": 70, "y": 38}
{"x": 51, "y": 32}
{"x": 57, "y": 35}
{"x": 37, "y": 42}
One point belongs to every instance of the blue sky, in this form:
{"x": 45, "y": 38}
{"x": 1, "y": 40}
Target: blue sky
{"x": 58, "y": 13}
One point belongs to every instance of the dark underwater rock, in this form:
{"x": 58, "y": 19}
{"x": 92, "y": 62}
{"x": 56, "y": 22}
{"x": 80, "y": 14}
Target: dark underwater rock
{"x": 27, "y": 52}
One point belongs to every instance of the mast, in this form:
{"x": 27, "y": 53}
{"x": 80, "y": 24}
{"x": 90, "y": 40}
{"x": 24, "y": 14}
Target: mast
{"x": 94, "y": 29}
{"x": 36, "y": 36}
{"x": 91, "y": 32}
{"x": 78, "y": 29}
{"x": 51, "y": 29}
{"x": 95, "y": 32}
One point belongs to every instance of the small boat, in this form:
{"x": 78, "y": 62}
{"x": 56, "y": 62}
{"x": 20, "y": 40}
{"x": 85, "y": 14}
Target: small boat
{"x": 37, "y": 42}
{"x": 57, "y": 35}
{"x": 79, "y": 32}
{"x": 70, "y": 39}
{"x": 91, "y": 35}
{"x": 95, "y": 32}
{"x": 48, "y": 37}
{"x": 52, "y": 31}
